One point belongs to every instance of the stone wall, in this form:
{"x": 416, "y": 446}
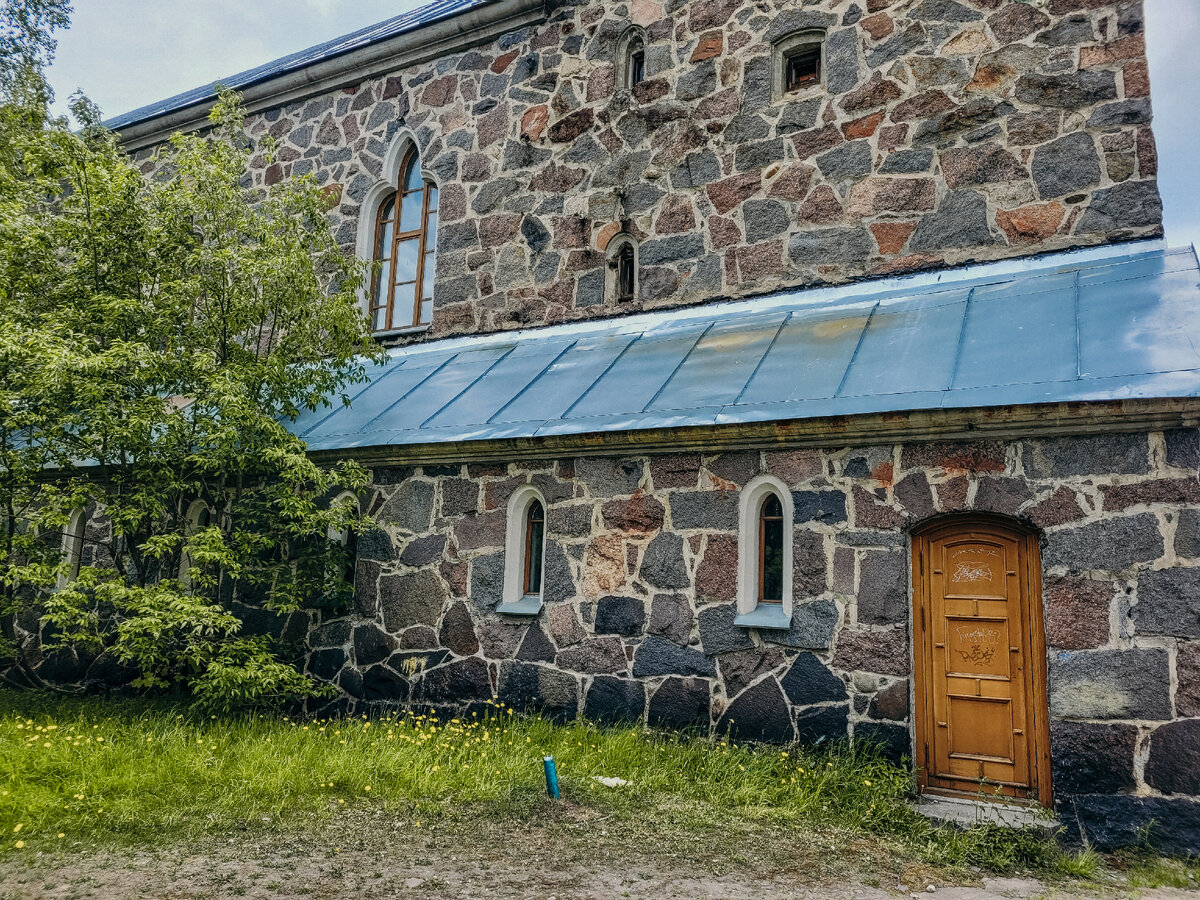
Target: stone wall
{"x": 946, "y": 131}
{"x": 640, "y": 582}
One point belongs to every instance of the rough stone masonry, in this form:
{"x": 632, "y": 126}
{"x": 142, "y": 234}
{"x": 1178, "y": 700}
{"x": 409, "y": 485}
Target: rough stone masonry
{"x": 640, "y": 581}
{"x": 944, "y": 132}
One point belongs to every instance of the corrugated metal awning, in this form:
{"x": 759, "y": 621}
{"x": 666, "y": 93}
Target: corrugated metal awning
{"x": 1116, "y": 324}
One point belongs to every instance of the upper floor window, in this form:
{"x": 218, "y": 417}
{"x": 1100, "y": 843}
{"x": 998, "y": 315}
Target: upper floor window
{"x": 632, "y": 58}
{"x": 622, "y": 255}
{"x": 765, "y": 555}
{"x": 798, "y": 62}
{"x": 405, "y": 240}
{"x": 524, "y": 553}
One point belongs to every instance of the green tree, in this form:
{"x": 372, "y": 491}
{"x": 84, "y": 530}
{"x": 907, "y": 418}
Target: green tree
{"x": 161, "y": 322}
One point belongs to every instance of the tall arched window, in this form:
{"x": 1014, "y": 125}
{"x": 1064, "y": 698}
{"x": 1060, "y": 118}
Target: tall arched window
{"x": 770, "y": 550}
{"x": 524, "y": 553}
{"x": 199, "y": 516}
{"x": 72, "y": 548}
{"x": 405, "y": 240}
{"x": 348, "y": 538}
{"x": 765, "y": 555}
{"x": 535, "y": 531}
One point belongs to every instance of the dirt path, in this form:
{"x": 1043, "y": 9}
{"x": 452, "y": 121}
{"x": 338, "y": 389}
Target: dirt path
{"x": 374, "y": 858}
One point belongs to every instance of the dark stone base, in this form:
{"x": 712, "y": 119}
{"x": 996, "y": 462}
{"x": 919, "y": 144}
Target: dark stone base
{"x": 1112, "y": 821}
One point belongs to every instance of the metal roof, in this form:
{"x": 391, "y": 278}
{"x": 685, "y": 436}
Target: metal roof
{"x": 1118, "y": 323}
{"x": 373, "y": 34}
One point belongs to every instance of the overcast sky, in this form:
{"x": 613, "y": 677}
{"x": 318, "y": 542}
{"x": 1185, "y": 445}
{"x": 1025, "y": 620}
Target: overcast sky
{"x": 127, "y": 53}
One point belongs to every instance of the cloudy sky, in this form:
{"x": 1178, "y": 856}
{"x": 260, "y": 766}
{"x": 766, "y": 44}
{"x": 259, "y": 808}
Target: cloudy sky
{"x": 127, "y": 53}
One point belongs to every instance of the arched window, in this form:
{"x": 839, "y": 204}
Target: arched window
{"x": 622, "y": 253}
{"x": 765, "y": 555}
{"x": 348, "y": 538}
{"x": 631, "y": 58}
{"x": 72, "y": 548}
{"x": 535, "y": 532}
{"x": 770, "y": 550}
{"x": 405, "y": 240}
{"x": 199, "y": 516}
{"x": 524, "y": 553}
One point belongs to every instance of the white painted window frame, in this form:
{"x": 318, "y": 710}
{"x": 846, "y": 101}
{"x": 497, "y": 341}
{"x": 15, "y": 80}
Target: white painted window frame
{"x": 513, "y": 601}
{"x": 749, "y": 612}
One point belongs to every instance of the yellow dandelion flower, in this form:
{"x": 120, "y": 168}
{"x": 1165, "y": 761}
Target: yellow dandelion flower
{"x": 19, "y": 844}
{"x": 61, "y": 835}
{"x": 18, "y": 827}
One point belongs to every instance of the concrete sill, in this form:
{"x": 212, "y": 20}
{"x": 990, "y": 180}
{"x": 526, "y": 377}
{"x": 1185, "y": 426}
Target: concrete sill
{"x": 400, "y": 332}
{"x": 526, "y": 606}
{"x": 764, "y": 616}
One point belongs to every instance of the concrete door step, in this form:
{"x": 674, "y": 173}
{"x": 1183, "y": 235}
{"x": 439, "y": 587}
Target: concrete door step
{"x": 964, "y": 812}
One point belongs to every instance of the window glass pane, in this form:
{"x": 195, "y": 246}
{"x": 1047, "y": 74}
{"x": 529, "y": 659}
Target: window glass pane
{"x": 771, "y": 534}
{"x": 535, "y": 523}
{"x": 426, "y": 311}
{"x": 637, "y": 68}
{"x": 803, "y": 68}
{"x": 431, "y": 231}
{"x": 382, "y": 282}
{"x": 410, "y": 211}
{"x": 379, "y": 322}
{"x": 406, "y": 260}
{"x": 427, "y": 276}
{"x": 385, "y": 239}
{"x": 432, "y": 198}
{"x": 388, "y": 211}
{"x": 412, "y": 175}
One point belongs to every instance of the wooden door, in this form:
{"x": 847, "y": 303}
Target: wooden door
{"x": 979, "y": 661}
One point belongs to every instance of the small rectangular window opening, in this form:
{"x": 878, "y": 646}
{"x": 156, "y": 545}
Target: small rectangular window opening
{"x": 802, "y": 68}
{"x": 637, "y": 67}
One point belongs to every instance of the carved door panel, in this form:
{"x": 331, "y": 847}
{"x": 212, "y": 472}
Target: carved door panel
{"x": 980, "y": 661}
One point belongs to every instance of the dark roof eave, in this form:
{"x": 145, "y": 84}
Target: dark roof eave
{"x": 431, "y": 40}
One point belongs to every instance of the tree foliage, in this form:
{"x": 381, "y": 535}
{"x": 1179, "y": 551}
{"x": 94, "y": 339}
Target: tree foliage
{"x": 160, "y": 323}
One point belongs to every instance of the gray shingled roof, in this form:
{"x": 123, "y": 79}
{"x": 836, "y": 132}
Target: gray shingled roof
{"x": 409, "y": 21}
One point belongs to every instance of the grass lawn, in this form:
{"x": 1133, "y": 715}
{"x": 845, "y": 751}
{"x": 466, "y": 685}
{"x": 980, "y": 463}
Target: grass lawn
{"x": 77, "y": 775}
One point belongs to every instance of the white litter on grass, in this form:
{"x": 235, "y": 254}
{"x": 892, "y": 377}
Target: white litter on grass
{"x": 610, "y": 782}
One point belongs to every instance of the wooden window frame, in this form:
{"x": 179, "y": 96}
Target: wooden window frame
{"x": 790, "y": 84}
{"x": 421, "y": 233}
{"x": 763, "y": 518}
{"x": 527, "y": 557}
{"x": 788, "y": 49}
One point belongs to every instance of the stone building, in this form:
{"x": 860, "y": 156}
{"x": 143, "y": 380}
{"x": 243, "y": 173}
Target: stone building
{"x": 794, "y": 370}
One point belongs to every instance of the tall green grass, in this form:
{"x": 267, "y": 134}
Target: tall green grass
{"x": 127, "y": 771}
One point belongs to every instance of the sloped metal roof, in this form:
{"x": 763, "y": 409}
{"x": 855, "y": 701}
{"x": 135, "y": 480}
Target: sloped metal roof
{"x": 364, "y": 37}
{"x": 1119, "y": 323}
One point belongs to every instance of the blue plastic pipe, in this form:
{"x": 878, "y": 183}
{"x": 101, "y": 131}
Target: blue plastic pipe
{"x": 551, "y": 777}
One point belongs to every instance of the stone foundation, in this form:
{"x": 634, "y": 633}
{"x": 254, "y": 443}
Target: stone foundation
{"x": 640, "y": 585}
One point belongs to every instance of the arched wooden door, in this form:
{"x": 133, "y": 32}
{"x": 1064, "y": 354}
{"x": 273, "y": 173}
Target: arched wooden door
{"x": 979, "y": 660}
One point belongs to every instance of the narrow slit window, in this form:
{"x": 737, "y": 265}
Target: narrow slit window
{"x": 626, "y": 273}
{"x": 637, "y": 64}
{"x": 348, "y": 538}
{"x": 405, "y": 239}
{"x": 802, "y": 67}
{"x": 535, "y": 528}
{"x": 770, "y": 550}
